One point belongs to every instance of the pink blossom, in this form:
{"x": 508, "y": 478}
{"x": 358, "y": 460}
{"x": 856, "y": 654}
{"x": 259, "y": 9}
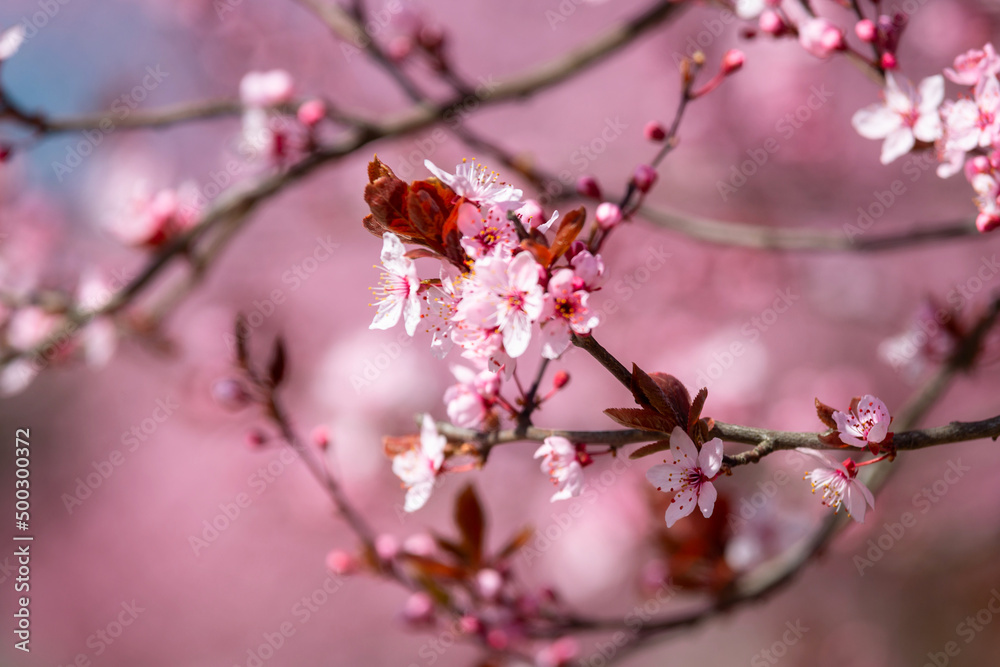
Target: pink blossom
{"x": 477, "y": 184}
{"x": 11, "y": 40}
{"x": 266, "y": 89}
{"x": 504, "y": 294}
{"x": 866, "y": 423}
{"x": 561, "y": 463}
{"x": 589, "y": 269}
{"x": 557, "y": 654}
{"x": 969, "y": 124}
{"x": 750, "y": 9}
{"x": 690, "y": 475}
{"x": 987, "y": 188}
{"x": 533, "y": 216}
{"x": 608, "y": 215}
{"x": 973, "y": 65}
{"x": 492, "y": 235}
{"x": 904, "y": 117}
{"x": 566, "y": 310}
{"x": 820, "y": 37}
{"x": 840, "y": 485}
{"x": 398, "y": 288}
{"x": 442, "y": 304}
{"x": 470, "y": 401}
{"x": 419, "y": 467}
{"x": 31, "y": 326}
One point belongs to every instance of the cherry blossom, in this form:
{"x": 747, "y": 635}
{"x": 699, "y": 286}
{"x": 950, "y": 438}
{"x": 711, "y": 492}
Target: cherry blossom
{"x": 11, "y": 40}
{"x": 491, "y": 234}
{"x": 470, "y": 401}
{"x": 973, "y": 65}
{"x": 566, "y": 310}
{"x": 750, "y": 9}
{"x": 532, "y": 216}
{"x": 589, "y": 269}
{"x": 820, "y": 37}
{"x": 866, "y": 423}
{"x": 442, "y": 304}
{"x": 398, "y": 288}
{"x": 266, "y": 89}
{"x": 505, "y": 295}
{"x": 840, "y": 485}
{"x": 969, "y": 124}
{"x": 561, "y": 463}
{"x": 690, "y": 475}
{"x": 418, "y": 467}
{"x": 904, "y": 117}
{"x": 477, "y": 184}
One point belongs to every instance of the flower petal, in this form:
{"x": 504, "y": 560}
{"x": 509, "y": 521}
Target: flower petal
{"x": 680, "y": 506}
{"x": 706, "y": 499}
{"x": 710, "y": 457}
{"x": 683, "y": 448}
{"x": 666, "y": 477}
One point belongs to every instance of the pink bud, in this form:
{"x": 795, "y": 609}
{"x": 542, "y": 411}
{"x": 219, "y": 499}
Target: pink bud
{"x": 497, "y": 639}
{"x": 560, "y": 379}
{"x": 889, "y": 61}
{"x": 5, "y": 152}
{"x": 420, "y": 544}
{"x": 558, "y": 653}
{"x": 430, "y": 38}
{"x": 419, "y": 608}
{"x": 256, "y": 438}
{"x": 400, "y": 48}
{"x": 866, "y": 30}
{"x": 312, "y": 112}
{"x": 489, "y": 582}
{"x": 608, "y": 215}
{"x": 587, "y": 186}
{"x": 977, "y": 165}
{"x": 321, "y": 437}
{"x": 230, "y": 394}
{"x": 531, "y": 214}
{"x": 732, "y": 61}
{"x": 386, "y": 546}
{"x": 341, "y": 562}
{"x": 772, "y": 23}
{"x": 470, "y": 625}
{"x": 833, "y": 39}
{"x": 986, "y": 222}
{"x": 654, "y": 131}
{"x": 644, "y": 177}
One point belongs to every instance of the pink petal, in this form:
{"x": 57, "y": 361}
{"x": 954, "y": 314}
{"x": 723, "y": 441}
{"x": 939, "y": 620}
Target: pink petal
{"x": 876, "y": 121}
{"x": 683, "y": 448}
{"x": 898, "y": 143}
{"x": 706, "y": 499}
{"x": 680, "y": 506}
{"x": 710, "y": 457}
{"x": 666, "y": 477}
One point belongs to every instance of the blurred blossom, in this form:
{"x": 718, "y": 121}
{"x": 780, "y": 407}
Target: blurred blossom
{"x": 905, "y": 116}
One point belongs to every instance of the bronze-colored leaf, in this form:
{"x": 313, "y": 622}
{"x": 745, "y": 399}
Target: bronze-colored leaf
{"x": 471, "y": 523}
{"x": 825, "y": 414}
{"x": 832, "y": 439}
{"x": 432, "y": 568}
{"x": 515, "y": 543}
{"x": 541, "y": 253}
{"x": 386, "y": 197}
{"x": 455, "y": 549}
{"x": 696, "y": 407}
{"x": 569, "y": 228}
{"x": 641, "y": 418}
{"x": 378, "y": 169}
{"x": 648, "y": 393}
{"x": 676, "y": 393}
{"x": 650, "y": 449}
{"x": 417, "y": 253}
{"x": 427, "y": 212}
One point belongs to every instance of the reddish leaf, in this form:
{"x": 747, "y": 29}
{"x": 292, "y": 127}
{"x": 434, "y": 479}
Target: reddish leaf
{"x": 377, "y": 169}
{"x": 696, "y": 407}
{"x": 427, "y": 212}
{"x": 650, "y": 449}
{"x": 676, "y": 393}
{"x": 641, "y": 418}
{"x": 825, "y": 414}
{"x": 569, "y": 229}
{"x": 648, "y": 393}
{"x": 541, "y": 253}
{"x": 471, "y": 523}
{"x": 432, "y": 568}
{"x": 516, "y": 542}
{"x": 242, "y": 339}
{"x": 456, "y": 550}
{"x": 417, "y": 253}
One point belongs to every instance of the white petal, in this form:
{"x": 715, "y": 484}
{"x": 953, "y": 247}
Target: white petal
{"x": 931, "y": 93}
{"x": 898, "y": 143}
{"x": 555, "y": 338}
{"x": 876, "y": 121}
{"x": 683, "y": 448}
{"x": 388, "y": 314}
{"x": 516, "y": 334}
{"x": 417, "y": 495}
{"x": 680, "y": 506}
{"x": 710, "y": 457}
{"x": 411, "y": 314}
{"x": 665, "y": 476}
{"x": 706, "y": 499}
{"x": 392, "y": 254}
{"x": 11, "y": 40}
{"x": 431, "y": 442}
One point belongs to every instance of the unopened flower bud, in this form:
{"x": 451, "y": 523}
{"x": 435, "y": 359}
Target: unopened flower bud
{"x": 889, "y": 61}
{"x": 644, "y": 177}
{"x": 654, "y": 131}
{"x": 312, "y": 112}
{"x": 420, "y": 544}
{"x": 986, "y": 222}
{"x": 497, "y": 639}
{"x": 419, "y": 608}
{"x": 732, "y": 61}
{"x": 400, "y": 48}
{"x": 341, "y": 562}
{"x": 489, "y": 583}
{"x": 560, "y": 379}
{"x": 470, "y": 625}
{"x": 256, "y": 438}
{"x": 386, "y": 546}
{"x": 5, "y": 152}
{"x": 587, "y": 186}
{"x": 771, "y": 22}
{"x": 866, "y": 31}
{"x": 230, "y": 394}
{"x": 431, "y": 38}
{"x": 321, "y": 437}
{"x": 608, "y": 215}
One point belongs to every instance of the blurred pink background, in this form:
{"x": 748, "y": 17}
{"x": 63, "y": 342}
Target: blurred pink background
{"x": 129, "y": 542}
